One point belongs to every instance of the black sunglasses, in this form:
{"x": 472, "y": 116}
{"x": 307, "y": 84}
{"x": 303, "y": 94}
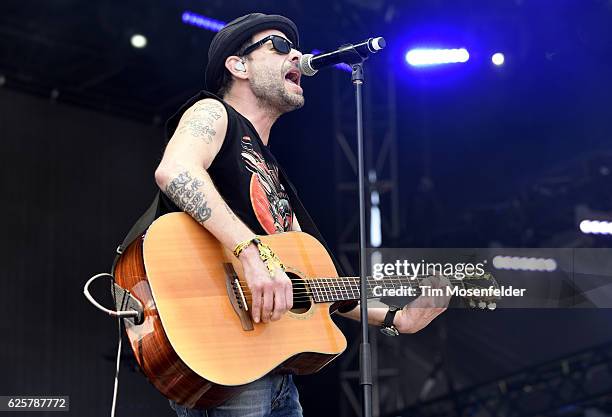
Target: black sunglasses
{"x": 280, "y": 44}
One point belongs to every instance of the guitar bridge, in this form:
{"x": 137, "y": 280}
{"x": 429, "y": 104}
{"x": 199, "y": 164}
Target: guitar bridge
{"x": 236, "y": 297}
{"x": 239, "y": 295}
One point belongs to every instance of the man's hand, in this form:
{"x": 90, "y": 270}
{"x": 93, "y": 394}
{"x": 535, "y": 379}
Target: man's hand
{"x": 419, "y": 313}
{"x": 271, "y": 296}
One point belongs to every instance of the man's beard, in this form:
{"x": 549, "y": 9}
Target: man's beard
{"x": 271, "y": 92}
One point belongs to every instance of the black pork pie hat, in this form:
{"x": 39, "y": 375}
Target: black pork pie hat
{"x": 227, "y": 41}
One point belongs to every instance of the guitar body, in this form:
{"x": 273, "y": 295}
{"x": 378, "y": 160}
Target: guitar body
{"x": 196, "y": 345}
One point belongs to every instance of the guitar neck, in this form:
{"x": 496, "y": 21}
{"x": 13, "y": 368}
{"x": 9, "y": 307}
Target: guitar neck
{"x": 326, "y": 290}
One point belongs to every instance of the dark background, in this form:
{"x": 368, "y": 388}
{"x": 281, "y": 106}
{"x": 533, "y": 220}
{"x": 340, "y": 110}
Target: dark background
{"x": 488, "y": 157}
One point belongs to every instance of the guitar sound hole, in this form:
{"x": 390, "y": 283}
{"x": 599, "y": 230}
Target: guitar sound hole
{"x": 301, "y": 296}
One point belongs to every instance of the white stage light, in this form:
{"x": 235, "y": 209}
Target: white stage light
{"x": 596, "y": 227}
{"x": 138, "y": 41}
{"x": 425, "y": 57}
{"x": 521, "y": 263}
{"x": 498, "y": 59}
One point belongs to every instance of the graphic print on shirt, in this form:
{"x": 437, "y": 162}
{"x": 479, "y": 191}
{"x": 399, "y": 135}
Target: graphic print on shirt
{"x": 268, "y": 196}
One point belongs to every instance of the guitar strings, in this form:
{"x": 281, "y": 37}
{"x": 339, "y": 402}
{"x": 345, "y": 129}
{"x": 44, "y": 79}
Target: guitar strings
{"x": 309, "y": 297}
{"x": 304, "y": 293}
{"x": 335, "y": 286}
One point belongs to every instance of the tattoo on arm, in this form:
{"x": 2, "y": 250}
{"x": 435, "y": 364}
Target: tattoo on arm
{"x": 199, "y": 123}
{"x": 184, "y": 192}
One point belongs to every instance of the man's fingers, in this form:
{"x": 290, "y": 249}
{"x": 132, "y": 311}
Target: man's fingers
{"x": 437, "y": 281}
{"x": 431, "y": 302}
{"x": 272, "y": 297}
{"x": 428, "y": 299}
{"x": 280, "y": 305}
{"x": 268, "y": 304}
{"x": 283, "y": 296}
{"x": 256, "y": 303}
{"x": 289, "y": 295}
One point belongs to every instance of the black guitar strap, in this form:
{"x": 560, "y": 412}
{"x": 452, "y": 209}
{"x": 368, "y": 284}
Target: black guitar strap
{"x": 139, "y": 228}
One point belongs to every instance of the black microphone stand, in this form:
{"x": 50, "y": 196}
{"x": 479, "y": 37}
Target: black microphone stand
{"x": 351, "y": 55}
{"x": 355, "y": 59}
{"x": 365, "y": 351}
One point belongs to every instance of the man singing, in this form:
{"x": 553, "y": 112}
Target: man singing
{"x": 217, "y": 167}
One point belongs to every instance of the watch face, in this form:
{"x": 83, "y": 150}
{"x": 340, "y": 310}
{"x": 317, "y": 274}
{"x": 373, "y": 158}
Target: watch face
{"x": 389, "y": 331}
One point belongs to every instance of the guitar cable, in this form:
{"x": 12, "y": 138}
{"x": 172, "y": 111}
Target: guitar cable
{"x": 118, "y": 363}
{"x": 115, "y": 313}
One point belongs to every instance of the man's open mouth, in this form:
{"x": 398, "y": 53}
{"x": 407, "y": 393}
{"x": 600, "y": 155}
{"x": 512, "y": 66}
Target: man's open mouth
{"x": 293, "y": 76}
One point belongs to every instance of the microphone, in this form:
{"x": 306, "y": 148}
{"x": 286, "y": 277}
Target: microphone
{"x": 309, "y": 64}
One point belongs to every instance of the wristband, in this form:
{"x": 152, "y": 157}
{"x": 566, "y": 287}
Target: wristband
{"x": 243, "y": 245}
{"x": 265, "y": 253}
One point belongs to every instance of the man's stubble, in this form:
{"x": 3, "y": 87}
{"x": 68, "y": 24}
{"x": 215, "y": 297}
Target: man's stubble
{"x": 269, "y": 88}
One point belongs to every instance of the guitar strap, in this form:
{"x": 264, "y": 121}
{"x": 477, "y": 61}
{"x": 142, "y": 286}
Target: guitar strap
{"x": 139, "y": 228}
{"x": 306, "y": 223}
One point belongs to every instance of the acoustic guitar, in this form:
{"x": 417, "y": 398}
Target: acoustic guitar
{"x": 197, "y": 344}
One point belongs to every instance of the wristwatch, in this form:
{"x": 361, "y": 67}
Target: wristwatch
{"x": 387, "y": 328}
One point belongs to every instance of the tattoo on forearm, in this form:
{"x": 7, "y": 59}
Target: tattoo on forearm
{"x": 200, "y": 122}
{"x": 184, "y": 192}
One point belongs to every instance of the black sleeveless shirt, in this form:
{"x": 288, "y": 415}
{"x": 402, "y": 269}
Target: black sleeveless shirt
{"x": 245, "y": 173}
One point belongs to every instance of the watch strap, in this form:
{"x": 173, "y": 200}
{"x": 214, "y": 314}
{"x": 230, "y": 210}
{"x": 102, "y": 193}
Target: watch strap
{"x": 387, "y": 326}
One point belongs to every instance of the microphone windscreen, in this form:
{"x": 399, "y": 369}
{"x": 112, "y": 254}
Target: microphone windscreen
{"x": 305, "y": 66}
{"x": 378, "y": 44}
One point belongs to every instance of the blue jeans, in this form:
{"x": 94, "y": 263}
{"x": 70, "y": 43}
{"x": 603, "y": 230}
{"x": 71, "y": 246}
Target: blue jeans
{"x": 271, "y": 396}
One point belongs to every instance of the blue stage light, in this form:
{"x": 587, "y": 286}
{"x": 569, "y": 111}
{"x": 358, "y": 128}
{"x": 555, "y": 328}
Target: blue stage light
{"x": 344, "y": 67}
{"x": 424, "y": 57}
{"x": 498, "y": 59}
{"x": 202, "y": 21}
